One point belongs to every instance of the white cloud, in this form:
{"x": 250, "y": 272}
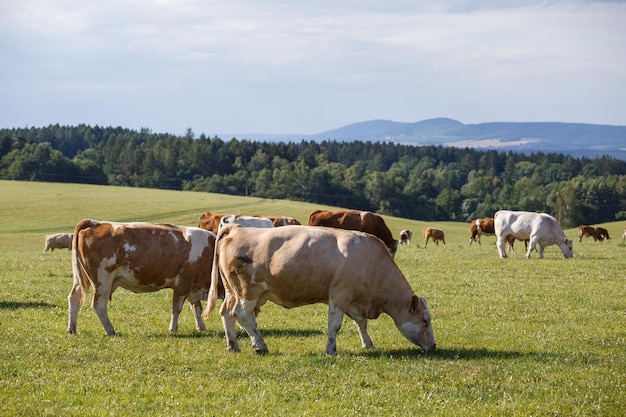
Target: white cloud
{"x": 288, "y": 66}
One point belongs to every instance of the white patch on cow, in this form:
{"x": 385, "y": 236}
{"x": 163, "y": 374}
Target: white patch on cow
{"x": 198, "y": 240}
{"x": 129, "y": 248}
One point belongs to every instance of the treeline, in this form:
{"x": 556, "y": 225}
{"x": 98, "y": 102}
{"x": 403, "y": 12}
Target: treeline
{"x": 418, "y": 182}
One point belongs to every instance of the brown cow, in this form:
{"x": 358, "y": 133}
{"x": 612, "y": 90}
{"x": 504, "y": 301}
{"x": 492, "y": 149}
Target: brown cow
{"x": 598, "y": 233}
{"x": 405, "y": 237}
{"x": 435, "y": 234}
{"x": 211, "y": 222}
{"x": 362, "y": 221}
{"x": 350, "y": 271}
{"x": 140, "y": 257}
{"x": 57, "y": 241}
{"x": 479, "y": 227}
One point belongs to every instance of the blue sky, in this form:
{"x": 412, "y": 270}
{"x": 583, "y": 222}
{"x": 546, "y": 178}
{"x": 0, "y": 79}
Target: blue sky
{"x": 280, "y": 66}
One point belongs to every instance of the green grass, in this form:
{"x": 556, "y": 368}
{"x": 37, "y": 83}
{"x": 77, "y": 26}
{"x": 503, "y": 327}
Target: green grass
{"x": 515, "y": 337}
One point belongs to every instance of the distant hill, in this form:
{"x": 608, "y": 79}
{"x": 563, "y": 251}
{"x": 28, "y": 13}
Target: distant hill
{"x": 577, "y": 139}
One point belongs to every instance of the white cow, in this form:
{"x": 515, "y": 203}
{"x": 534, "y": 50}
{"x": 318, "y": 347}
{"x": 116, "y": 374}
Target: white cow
{"x": 538, "y": 228}
{"x": 246, "y": 221}
{"x": 57, "y": 241}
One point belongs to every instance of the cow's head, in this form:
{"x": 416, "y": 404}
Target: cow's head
{"x": 567, "y": 247}
{"x": 415, "y": 325}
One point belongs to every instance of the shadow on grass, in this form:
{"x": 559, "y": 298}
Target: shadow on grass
{"x": 16, "y": 305}
{"x": 241, "y": 334}
{"x": 460, "y": 354}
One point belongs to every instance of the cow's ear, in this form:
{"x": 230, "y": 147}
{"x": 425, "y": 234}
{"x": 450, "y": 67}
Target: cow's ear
{"x": 415, "y": 304}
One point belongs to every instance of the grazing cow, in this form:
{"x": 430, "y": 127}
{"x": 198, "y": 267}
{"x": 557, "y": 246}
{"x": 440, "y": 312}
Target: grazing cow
{"x": 350, "y": 271}
{"x": 538, "y": 228}
{"x": 57, "y": 241}
{"x": 624, "y": 235}
{"x": 362, "y": 221}
{"x": 140, "y": 257}
{"x": 405, "y": 237}
{"x": 598, "y": 233}
{"x": 435, "y": 234}
{"x": 283, "y": 221}
{"x": 210, "y": 222}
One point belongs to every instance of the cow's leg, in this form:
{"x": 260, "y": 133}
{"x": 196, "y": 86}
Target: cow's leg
{"x": 335, "y": 318}
{"x": 500, "y": 244}
{"x": 247, "y": 320}
{"x": 532, "y": 245}
{"x": 196, "y": 309}
{"x": 73, "y": 300}
{"x": 177, "y": 306}
{"x": 540, "y": 251}
{"x": 366, "y": 340}
{"x": 99, "y": 304}
{"x": 228, "y": 320}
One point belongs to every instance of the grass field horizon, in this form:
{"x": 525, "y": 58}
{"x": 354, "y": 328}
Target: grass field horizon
{"x": 515, "y": 337}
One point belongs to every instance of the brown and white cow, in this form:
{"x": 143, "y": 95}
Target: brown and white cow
{"x": 57, "y": 241}
{"x": 139, "y": 257}
{"x": 362, "y": 221}
{"x": 539, "y": 228}
{"x": 624, "y": 235}
{"x": 435, "y": 234}
{"x": 405, "y": 237}
{"x": 350, "y": 271}
{"x": 480, "y": 227}
{"x": 283, "y": 221}
{"x": 210, "y": 221}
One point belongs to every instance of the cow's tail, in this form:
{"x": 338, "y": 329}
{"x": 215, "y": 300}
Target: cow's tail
{"x": 78, "y": 266}
{"x": 215, "y": 273}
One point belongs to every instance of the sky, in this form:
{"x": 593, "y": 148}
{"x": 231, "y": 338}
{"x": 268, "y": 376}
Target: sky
{"x": 280, "y": 66}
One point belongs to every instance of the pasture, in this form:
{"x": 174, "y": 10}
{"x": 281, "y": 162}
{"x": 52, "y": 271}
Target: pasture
{"x": 515, "y": 337}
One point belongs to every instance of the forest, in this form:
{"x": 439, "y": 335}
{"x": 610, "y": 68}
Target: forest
{"x": 416, "y": 182}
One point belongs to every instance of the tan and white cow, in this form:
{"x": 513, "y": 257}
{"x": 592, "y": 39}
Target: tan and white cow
{"x": 435, "y": 234}
{"x": 362, "y": 221}
{"x": 350, "y": 271}
{"x": 210, "y": 221}
{"x": 139, "y": 257}
{"x": 57, "y": 241}
{"x": 539, "y": 228}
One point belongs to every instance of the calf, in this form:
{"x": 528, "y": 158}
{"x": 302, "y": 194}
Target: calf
{"x": 435, "y": 234}
{"x": 139, "y": 257}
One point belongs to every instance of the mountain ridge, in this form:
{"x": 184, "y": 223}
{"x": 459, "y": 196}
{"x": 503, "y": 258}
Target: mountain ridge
{"x": 578, "y": 139}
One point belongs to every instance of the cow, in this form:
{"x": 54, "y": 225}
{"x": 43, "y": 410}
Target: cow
{"x": 139, "y": 257}
{"x": 57, "y": 241}
{"x": 539, "y": 228}
{"x": 479, "y": 227}
{"x": 405, "y": 237}
{"x": 283, "y": 221}
{"x": 598, "y": 233}
{"x": 362, "y": 221}
{"x": 435, "y": 234}
{"x": 246, "y": 221}
{"x": 350, "y": 271}
{"x": 210, "y": 221}
{"x": 624, "y": 235}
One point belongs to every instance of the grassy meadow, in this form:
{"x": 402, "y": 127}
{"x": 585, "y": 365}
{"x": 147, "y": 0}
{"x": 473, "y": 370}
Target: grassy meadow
{"x": 515, "y": 337}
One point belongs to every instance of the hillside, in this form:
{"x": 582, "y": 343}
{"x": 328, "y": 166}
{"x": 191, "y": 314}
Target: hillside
{"x": 577, "y": 139}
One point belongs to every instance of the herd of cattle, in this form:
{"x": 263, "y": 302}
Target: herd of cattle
{"x": 348, "y": 264}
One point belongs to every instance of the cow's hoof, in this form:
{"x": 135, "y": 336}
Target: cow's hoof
{"x": 261, "y": 351}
